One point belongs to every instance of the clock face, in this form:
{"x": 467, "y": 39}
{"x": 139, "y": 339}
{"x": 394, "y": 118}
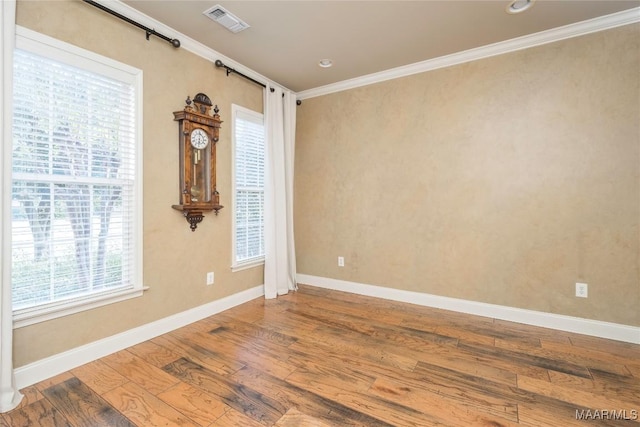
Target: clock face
{"x": 199, "y": 139}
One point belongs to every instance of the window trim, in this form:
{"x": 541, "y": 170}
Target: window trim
{"x": 49, "y": 47}
{"x": 255, "y": 261}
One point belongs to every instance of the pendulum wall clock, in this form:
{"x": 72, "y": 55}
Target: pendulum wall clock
{"x": 198, "y": 134}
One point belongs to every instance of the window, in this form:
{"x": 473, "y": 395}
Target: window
{"x": 76, "y": 179}
{"x": 248, "y": 191}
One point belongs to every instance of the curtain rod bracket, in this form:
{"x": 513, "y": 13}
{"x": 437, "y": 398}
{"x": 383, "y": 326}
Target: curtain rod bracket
{"x": 149, "y": 31}
{"x": 230, "y": 70}
{"x": 218, "y": 63}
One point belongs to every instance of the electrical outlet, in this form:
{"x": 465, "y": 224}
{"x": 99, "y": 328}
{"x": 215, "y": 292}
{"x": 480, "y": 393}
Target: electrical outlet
{"x": 210, "y": 278}
{"x": 582, "y": 290}
{"x": 340, "y": 261}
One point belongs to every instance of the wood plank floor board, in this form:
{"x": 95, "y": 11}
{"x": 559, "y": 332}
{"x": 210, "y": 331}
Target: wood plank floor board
{"x": 233, "y": 418}
{"x": 467, "y": 359}
{"x": 197, "y": 354}
{"x": 82, "y": 406}
{"x": 203, "y": 343}
{"x": 502, "y": 334}
{"x": 463, "y": 385}
{"x": 130, "y": 366}
{"x": 468, "y": 366}
{"x": 40, "y": 413}
{"x": 253, "y": 331}
{"x": 324, "y": 358}
{"x": 295, "y": 418}
{"x": 257, "y": 309}
{"x": 354, "y": 378}
{"x": 145, "y": 409}
{"x": 290, "y": 395}
{"x": 624, "y": 349}
{"x": 456, "y": 412}
{"x": 476, "y": 394}
{"x": 464, "y": 335}
{"x": 528, "y": 359}
{"x": 569, "y": 380}
{"x": 286, "y": 323}
{"x": 55, "y": 380}
{"x": 583, "y": 398}
{"x": 197, "y": 405}
{"x": 402, "y": 335}
{"x": 346, "y": 303}
{"x": 334, "y": 342}
{"x": 609, "y": 380}
{"x": 555, "y": 416}
{"x": 383, "y": 409}
{"x": 269, "y": 357}
{"x": 625, "y": 388}
{"x": 341, "y": 342}
{"x": 154, "y": 354}
{"x": 525, "y": 332}
{"x": 416, "y": 380}
{"x": 594, "y": 358}
{"x": 634, "y": 370}
{"x": 590, "y": 359}
{"x": 98, "y": 376}
{"x": 304, "y": 357}
{"x": 255, "y": 405}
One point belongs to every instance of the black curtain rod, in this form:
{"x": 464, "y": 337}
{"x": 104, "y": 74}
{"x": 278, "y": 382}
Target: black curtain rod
{"x": 150, "y": 31}
{"x": 230, "y": 70}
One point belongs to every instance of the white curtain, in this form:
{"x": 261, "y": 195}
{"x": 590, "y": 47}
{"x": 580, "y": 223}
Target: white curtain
{"x": 9, "y": 395}
{"x": 280, "y": 257}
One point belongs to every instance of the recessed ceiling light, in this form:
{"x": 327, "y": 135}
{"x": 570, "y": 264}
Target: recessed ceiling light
{"x": 517, "y": 6}
{"x": 325, "y": 63}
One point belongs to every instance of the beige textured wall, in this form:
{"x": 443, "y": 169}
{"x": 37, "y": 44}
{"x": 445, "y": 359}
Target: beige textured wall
{"x": 505, "y": 180}
{"x": 175, "y": 259}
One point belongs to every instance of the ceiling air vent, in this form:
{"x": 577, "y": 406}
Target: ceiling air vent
{"x": 225, "y": 18}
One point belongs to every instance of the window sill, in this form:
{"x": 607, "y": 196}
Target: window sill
{"x": 248, "y": 265}
{"x": 31, "y": 316}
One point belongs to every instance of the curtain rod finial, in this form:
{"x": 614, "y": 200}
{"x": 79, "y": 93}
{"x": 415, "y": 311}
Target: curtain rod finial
{"x": 175, "y": 43}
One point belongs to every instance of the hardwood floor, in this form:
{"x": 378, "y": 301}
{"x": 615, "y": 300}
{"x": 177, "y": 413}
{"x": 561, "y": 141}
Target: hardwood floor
{"x": 325, "y": 358}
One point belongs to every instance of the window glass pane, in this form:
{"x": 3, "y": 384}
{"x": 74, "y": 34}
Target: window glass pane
{"x": 249, "y": 169}
{"x": 74, "y": 146}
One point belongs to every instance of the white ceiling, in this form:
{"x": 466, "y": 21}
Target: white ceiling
{"x": 288, "y": 38}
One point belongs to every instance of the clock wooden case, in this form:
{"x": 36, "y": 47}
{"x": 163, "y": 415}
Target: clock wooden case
{"x": 198, "y": 133}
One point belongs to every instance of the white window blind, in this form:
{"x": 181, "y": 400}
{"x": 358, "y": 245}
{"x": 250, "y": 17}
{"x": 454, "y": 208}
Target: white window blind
{"x": 74, "y": 180}
{"x": 249, "y": 152}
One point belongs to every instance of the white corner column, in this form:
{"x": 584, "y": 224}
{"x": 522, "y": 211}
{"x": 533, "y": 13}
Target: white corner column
{"x": 10, "y": 397}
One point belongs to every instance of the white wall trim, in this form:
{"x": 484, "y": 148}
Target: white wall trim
{"x": 549, "y": 36}
{"x": 560, "y": 322}
{"x": 62, "y": 362}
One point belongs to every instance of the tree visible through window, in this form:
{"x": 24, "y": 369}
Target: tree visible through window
{"x": 74, "y": 182}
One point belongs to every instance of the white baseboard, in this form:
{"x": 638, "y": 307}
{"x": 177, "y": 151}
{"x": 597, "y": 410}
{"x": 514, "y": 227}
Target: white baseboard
{"x": 56, "y": 364}
{"x": 560, "y": 322}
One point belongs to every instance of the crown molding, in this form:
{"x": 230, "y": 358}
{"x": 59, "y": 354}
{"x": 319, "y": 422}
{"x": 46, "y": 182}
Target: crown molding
{"x": 186, "y": 42}
{"x": 544, "y": 37}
